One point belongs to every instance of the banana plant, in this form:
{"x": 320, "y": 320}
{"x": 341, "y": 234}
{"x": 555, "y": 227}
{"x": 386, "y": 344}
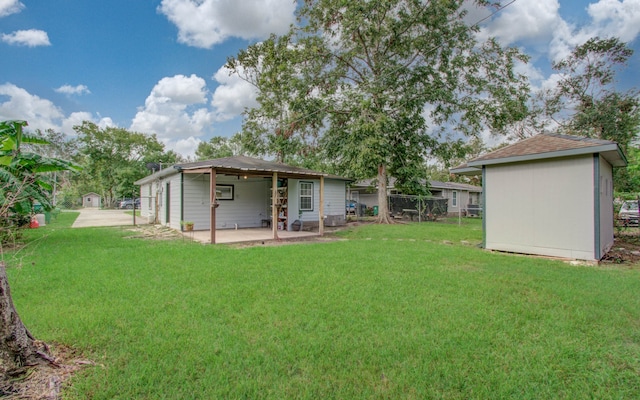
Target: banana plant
{"x": 24, "y": 177}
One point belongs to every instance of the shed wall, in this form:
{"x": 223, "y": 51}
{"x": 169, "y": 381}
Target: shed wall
{"x": 606, "y": 206}
{"x": 91, "y": 201}
{"x": 544, "y": 207}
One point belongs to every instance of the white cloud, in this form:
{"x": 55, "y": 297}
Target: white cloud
{"x": 39, "y": 113}
{"x": 30, "y": 38}
{"x": 616, "y": 18}
{"x": 8, "y": 7}
{"x": 232, "y": 96}
{"x": 185, "y": 147}
{"x": 526, "y": 21}
{"x": 69, "y": 90}
{"x": 77, "y": 118}
{"x": 204, "y": 23}
{"x": 172, "y": 110}
{"x": 539, "y": 26}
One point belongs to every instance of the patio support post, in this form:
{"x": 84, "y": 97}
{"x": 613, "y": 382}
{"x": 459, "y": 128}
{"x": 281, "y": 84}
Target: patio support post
{"x": 274, "y": 209}
{"x": 212, "y": 195}
{"x": 321, "y": 208}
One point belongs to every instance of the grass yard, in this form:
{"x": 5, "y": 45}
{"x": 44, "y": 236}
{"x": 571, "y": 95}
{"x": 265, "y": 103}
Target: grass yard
{"x": 409, "y": 311}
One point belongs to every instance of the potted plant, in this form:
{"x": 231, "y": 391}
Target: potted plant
{"x": 187, "y": 225}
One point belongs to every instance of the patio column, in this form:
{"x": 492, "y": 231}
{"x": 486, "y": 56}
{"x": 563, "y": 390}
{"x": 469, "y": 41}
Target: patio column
{"x": 274, "y": 209}
{"x": 321, "y": 208}
{"x": 212, "y": 195}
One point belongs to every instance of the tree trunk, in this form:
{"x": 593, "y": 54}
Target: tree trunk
{"x": 17, "y": 347}
{"x": 383, "y": 202}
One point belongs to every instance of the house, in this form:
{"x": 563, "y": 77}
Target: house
{"x": 238, "y": 192}
{"x": 549, "y": 195}
{"x": 91, "y": 200}
{"x": 459, "y": 195}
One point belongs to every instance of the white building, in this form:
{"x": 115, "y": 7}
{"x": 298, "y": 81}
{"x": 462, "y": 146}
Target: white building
{"x": 549, "y": 195}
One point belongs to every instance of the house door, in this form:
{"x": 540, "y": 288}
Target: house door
{"x": 167, "y": 203}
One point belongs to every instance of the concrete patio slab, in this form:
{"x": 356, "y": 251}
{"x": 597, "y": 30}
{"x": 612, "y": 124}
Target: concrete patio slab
{"x": 245, "y": 235}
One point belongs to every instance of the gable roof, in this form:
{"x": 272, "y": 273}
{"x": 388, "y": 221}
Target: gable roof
{"x": 240, "y": 165}
{"x": 545, "y": 146}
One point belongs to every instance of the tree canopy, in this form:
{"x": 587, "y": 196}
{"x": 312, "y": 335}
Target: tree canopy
{"x": 114, "y": 158}
{"x": 385, "y": 83}
{"x": 586, "y": 101}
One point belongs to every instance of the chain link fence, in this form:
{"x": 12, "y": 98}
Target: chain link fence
{"x": 417, "y": 208}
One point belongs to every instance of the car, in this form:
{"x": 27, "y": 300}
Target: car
{"x": 629, "y": 212}
{"x": 351, "y": 207}
{"x": 129, "y": 203}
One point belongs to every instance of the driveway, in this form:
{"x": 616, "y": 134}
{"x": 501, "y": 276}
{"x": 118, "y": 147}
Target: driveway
{"x": 96, "y": 217}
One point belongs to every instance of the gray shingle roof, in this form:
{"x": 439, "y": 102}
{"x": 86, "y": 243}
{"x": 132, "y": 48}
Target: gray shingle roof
{"x": 242, "y": 164}
{"x": 544, "y": 146}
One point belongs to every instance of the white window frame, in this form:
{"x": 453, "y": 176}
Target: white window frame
{"x": 454, "y": 198}
{"x": 304, "y": 195}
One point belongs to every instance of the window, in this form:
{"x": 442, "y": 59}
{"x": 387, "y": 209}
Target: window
{"x": 306, "y": 196}
{"x": 224, "y": 192}
{"x": 454, "y": 199}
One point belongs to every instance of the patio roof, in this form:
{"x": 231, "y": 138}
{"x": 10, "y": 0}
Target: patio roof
{"x": 241, "y": 165}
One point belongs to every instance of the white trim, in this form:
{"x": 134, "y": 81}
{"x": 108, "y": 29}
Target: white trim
{"x": 302, "y": 196}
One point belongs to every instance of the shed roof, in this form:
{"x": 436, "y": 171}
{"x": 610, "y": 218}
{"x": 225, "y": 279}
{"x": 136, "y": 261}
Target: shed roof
{"x": 545, "y": 146}
{"x": 240, "y": 165}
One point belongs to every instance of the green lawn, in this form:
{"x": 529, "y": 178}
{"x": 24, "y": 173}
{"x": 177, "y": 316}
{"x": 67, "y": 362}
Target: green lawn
{"x": 408, "y": 311}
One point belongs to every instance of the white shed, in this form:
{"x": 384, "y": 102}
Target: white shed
{"x": 91, "y": 200}
{"x": 549, "y": 195}
{"x": 241, "y": 192}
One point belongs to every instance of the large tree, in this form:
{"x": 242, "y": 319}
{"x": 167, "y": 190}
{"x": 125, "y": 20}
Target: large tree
{"x": 219, "y": 147}
{"x": 386, "y": 82}
{"x": 402, "y": 76}
{"x": 113, "y": 158}
{"x": 286, "y": 122}
{"x": 23, "y": 180}
{"x": 586, "y": 100}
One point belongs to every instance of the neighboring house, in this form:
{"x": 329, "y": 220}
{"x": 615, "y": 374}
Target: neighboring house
{"x": 240, "y": 195}
{"x": 549, "y": 195}
{"x": 459, "y": 195}
{"x": 91, "y": 200}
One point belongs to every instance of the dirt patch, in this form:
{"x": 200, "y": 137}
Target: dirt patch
{"x": 44, "y": 382}
{"x": 156, "y": 232}
{"x": 625, "y": 249}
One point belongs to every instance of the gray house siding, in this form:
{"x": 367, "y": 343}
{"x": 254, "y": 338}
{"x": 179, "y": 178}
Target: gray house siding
{"x": 175, "y": 202}
{"x": 247, "y": 209}
{"x": 334, "y": 202}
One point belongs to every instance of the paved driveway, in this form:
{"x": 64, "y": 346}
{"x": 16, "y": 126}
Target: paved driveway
{"x": 96, "y": 217}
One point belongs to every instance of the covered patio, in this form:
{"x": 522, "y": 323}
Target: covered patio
{"x": 225, "y": 236}
{"x": 244, "y": 194}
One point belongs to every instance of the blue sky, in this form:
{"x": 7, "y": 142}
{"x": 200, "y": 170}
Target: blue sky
{"x": 156, "y": 66}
